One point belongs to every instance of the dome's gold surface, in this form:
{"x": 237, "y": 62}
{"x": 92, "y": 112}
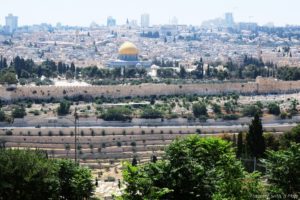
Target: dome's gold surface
{"x": 128, "y": 48}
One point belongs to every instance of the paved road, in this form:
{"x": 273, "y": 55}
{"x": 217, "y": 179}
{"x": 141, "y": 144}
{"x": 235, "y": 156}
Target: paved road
{"x": 268, "y": 127}
{"x": 94, "y": 122}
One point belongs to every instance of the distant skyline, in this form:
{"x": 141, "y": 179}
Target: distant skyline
{"x": 84, "y": 12}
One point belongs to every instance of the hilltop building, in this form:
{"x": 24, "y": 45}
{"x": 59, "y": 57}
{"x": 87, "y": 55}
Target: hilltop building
{"x": 145, "y": 20}
{"x": 11, "y": 23}
{"x": 128, "y": 57}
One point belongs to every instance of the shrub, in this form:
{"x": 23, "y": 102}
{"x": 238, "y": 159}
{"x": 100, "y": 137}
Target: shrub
{"x": 19, "y": 112}
{"x": 216, "y": 108}
{"x": 8, "y": 132}
{"x": 150, "y": 113}
{"x": 117, "y": 114}
{"x": 208, "y": 163}
{"x": 251, "y": 110}
{"x": 119, "y": 144}
{"x": 64, "y": 108}
{"x": 283, "y": 115}
{"x": 231, "y": 117}
{"x": 2, "y": 116}
{"x": 274, "y": 109}
{"x": 199, "y": 109}
{"x": 133, "y": 143}
{"x": 48, "y": 177}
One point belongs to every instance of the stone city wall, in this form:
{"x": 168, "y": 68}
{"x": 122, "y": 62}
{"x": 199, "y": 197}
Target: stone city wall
{"x": 260, "y": 86}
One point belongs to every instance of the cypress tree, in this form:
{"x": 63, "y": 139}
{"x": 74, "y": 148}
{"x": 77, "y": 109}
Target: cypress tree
{"x": 240, "y": 145}
{"x": 255, "y": 138}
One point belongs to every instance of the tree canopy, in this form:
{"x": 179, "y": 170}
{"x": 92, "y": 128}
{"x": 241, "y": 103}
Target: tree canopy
{"x": 150, "y": 113}
{"x": 27, "y": 175}
{"x": 255, "y": 139}
{"x": 2, "y": 115}
{"x": 283, "y": 173}
{"x": 274, "y": 109}
{"x": 64, "y": 108}
{"x": 19, "y": 112}
{"x": 117, "y": 114}
{"x": 192, "y": 168}
{"x": 199, "y": 109}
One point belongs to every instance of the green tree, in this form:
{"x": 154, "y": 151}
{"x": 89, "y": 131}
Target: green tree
{"x": 192, "y": 168}
{"x": 182, "y": 73}
{"x": 199, "y": 109}
{"x": 255, "y": 139}
{"x": 293, "y": 106}
{"x": 117, "y": 114}
{"x": 274, "y": 109}
{"x": 251, "y": 110}
{"x": 150, "y": 113}
{"x": 8, "y": 77}
{"x": 75, "y": 182}
{"x": 272, "y": 143}
{"x": 73, "y": 68}
{"x": 199, "y": 71}
{"x": 64, "y": 108}
{"x": 216, "y": 108}
{"x": 289, "y": 137}
{"x": 2, "y": 116}
{"x": 229, "y": 107}
{"x": 26, "y": 175}
{"x": 19, "y": 112}
{"x": 240, "y": 145}
{"x": 283, "y": 172}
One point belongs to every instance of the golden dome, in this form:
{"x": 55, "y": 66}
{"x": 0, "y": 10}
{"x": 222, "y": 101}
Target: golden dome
{"x": 128, "y": 48}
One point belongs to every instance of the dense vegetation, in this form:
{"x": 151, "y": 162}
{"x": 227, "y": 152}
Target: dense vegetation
{"x": 209, "y": 168}
{"x": 64, "y": 108}
{"x": 117, "y": 114}
{"x": 27, "y": 175}
{"x": 26, "y": 71}
{"x": 18, "y": 112}
{"x": 191, "y": 107}
{"x": 283, "y": 172}
{"x": 193, "y": 168}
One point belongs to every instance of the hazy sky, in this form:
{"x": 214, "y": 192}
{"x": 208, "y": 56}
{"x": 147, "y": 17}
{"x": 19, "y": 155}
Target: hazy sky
{"x": 83, "y": 12}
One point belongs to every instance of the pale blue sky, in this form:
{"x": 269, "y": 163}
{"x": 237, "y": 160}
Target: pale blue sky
{"x": 83, "y": 12}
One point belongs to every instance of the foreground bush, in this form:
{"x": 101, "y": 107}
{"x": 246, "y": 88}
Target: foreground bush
{"x": 283, "y": 172}
{"x": 193, "y": 168}
{"x": 31, "y": 175}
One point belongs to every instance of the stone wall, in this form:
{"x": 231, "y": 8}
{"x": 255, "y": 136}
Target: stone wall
{"x": 260, "y": 86}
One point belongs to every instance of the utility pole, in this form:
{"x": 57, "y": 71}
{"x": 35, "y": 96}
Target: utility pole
{"x": 76, "y": 118}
